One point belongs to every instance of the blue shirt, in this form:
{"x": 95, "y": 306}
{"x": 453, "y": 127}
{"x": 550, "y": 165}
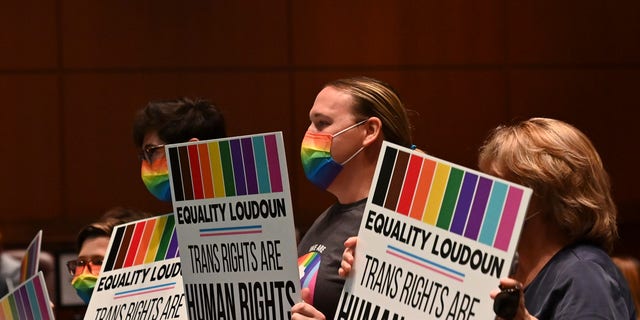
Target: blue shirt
{"x": 580, "y": 282}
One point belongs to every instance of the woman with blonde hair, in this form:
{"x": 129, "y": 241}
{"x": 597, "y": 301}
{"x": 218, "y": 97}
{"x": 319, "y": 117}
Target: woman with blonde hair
{"x": 349, "y": 120}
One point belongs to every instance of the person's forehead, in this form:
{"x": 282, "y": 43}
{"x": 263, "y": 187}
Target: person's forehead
{"x": 152, "y": 138}
{"x": 332, "y": 102}
{"x": 95, "y": 246}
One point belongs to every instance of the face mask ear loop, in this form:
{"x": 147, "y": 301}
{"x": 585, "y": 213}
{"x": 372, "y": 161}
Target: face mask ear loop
{"x": 355, "y": 154}
{"x": 349, "y": 128}
{"x": 345, "y": 130}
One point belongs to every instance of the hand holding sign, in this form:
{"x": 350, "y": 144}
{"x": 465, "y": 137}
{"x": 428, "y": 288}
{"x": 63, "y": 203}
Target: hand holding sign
{"x": 348, "y": 256}
{"x": 509, "y": 300}
{"x": 304, "y": 309}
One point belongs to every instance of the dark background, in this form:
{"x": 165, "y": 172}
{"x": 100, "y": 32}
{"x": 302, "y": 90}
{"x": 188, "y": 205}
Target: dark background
{"x": 73, "y": 73}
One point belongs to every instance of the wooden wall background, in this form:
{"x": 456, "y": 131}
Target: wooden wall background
{"x": 72, "y": 74}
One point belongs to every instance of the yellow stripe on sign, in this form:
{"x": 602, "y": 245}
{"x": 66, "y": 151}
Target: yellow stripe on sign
{"x": 216, "y": 170}
{"x": 437, "y": 192}
{"x": 5, "y": 309}
{"x": 155, "y": 240}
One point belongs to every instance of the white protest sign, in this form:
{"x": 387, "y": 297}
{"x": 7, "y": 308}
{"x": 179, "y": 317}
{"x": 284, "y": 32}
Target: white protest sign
{"x": 140, "y": 276}
{"x": 234, "y": 218}
{"x": 435, "y": 238}
{"x": 28, "y": 301}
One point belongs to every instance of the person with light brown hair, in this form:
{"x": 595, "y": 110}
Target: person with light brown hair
{"x": 630, "y": 268}
{"x": 349, "y": 120}
{"x": 564, "y": 270}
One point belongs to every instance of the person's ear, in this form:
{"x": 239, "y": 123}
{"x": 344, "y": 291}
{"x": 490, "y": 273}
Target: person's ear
{"x": 194, "y": 139}
{"x": 373, "y": 130}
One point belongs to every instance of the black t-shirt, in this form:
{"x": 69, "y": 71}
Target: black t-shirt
{"x": 320, "y": 253}
{"x": 580, "y": 282}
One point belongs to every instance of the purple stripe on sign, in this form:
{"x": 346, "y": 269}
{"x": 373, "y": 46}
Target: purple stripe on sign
{"x": 478, "y": 208}
{"x": 33, "y": 261}
{"x": 508, "y": 219}
{"x": 464, "y": 203}
{"x": 42, "y": 302}
{"x": 238, "y": 168}
{"x": 172, "y": 251}
{"x": 274, "y": 163}
{"x": 23, "y": 302}
{"x": 17, "y": 303}
{"x": 249, "y": 166}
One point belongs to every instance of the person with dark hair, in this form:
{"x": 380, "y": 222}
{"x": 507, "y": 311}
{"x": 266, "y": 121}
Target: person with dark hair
{"x": 92, "y": 242}
{"x": 166, "y": 122}
{"x": 349, "y": 120}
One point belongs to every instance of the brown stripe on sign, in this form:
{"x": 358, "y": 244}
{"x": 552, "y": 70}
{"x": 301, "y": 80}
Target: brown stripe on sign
{"x": 395, "y": 186}
{"x": 186, "y": 172}
{"x": 124, "y": 246}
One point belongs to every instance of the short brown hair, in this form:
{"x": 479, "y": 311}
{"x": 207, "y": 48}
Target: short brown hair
{"x": 564, "y": 170}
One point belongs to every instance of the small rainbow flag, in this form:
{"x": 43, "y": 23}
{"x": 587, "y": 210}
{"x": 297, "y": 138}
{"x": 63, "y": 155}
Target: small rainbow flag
{"x": 143, "y": 242}
{"x": 450, "y": 197}
{"x": 224, "y": 168}
{"x": 309, "y": 264}
{"x": 31, "y": 259}
{"x": 29, "y": 301}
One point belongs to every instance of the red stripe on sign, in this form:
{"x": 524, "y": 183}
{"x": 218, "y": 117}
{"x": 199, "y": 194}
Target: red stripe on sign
{"x": 410, "y": 183}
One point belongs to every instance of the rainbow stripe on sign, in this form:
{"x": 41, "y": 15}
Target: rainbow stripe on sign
{"x": 31, "y": 259}
{"x": 449, "y": 197}
{"x": 143, "y": 242}
{"x": 236, "y": 167}
{"x": 29, "y": 301}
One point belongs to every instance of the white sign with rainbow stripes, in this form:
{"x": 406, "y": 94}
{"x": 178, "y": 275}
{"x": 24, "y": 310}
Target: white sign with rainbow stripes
{"x": 434, "y": 240}
{"x": 30, "y": 300}
{"x": 140, "y": 276}
{"x": 234, "y": 217}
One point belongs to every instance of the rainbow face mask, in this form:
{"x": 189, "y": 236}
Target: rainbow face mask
{"x": 84, "y": 285}
{"x": 156, "y": 178}
{"x": 318, "y": 164}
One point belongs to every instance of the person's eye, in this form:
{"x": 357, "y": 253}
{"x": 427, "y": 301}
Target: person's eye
{"x": 321, "y": 124}
{"x": 98, "y": 261}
